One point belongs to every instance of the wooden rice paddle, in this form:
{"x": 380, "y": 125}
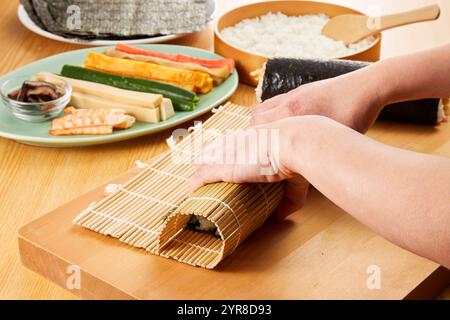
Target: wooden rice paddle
{"x": 352, "y": 28}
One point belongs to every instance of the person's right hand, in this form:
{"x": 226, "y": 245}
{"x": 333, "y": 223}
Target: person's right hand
{"x": 279, "y": 152}
{"x": 354, "y": 99}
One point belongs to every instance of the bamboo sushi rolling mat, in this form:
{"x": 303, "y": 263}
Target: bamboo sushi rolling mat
{"x": 151, "y": 210}
{"x": 320, "y": 252}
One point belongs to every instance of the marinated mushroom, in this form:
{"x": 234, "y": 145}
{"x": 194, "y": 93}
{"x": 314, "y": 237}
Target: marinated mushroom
{"x": 36, "y": 91}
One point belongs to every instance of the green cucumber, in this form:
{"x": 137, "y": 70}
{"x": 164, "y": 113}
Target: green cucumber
{"x": 183, "y": 105}
{"x": 182, "y": 99}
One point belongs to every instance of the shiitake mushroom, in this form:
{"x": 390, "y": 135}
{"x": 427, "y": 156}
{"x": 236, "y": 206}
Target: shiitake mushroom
{"x": 36, "y": 91}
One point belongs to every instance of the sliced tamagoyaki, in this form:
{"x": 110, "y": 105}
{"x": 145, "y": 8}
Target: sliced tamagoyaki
{"x": 199, "y": 82}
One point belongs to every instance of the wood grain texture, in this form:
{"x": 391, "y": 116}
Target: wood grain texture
{"x": 35, "y": 180}
{"x": 320, "y": 253}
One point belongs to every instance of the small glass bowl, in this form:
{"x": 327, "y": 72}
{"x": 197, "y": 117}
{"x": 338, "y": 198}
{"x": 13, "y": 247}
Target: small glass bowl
{"x": 33, "y": 111}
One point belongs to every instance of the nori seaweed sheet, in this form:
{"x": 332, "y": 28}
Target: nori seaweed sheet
{"x": 284, "y": 74}
{"x": 28, "y": 6}
{"x": 119, "y": 19}
{"x": 42, "y": 11}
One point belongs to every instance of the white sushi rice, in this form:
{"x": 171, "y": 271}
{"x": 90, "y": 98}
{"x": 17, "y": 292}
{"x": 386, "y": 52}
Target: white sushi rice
{"x": 278, "y": 35}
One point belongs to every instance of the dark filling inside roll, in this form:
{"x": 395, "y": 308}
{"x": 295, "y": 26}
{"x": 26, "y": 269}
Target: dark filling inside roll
{"x": 202, "y": 224}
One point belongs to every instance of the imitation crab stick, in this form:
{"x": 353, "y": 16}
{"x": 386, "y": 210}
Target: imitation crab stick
{"x": 218, "y": 74}
{"x": 209, "y": 63}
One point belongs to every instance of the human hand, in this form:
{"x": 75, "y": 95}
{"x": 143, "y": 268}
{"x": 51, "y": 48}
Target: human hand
{"x": 353, "y": 99}
{"x": 224, "y": 159}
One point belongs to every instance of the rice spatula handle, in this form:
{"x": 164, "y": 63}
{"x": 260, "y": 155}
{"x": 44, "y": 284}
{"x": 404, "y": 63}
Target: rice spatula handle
{"x": 352, "y": 28}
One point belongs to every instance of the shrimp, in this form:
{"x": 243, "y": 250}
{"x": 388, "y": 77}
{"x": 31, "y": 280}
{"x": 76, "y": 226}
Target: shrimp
{"x": 91, "y": 121}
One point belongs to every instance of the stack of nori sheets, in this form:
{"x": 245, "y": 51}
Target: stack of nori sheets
{"x": 117, "y": 19}
{"x": 284, "y": 74}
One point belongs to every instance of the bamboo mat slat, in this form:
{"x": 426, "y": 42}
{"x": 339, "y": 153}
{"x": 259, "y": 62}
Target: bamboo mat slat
{"x": 151, "y": 210}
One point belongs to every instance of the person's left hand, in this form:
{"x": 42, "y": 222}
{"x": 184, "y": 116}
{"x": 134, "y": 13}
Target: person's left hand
{"x": 342, "y": 99}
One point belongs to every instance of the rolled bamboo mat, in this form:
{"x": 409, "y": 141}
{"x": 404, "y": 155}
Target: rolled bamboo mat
{"x": 152, "y": 210}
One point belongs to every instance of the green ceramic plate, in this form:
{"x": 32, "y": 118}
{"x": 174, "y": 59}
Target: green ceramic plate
{"x": 37, "y": 133}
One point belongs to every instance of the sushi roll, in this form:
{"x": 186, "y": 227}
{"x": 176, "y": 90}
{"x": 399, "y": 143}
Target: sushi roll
{"x": 199, "y": 223}
{"x": 280, "y": 75}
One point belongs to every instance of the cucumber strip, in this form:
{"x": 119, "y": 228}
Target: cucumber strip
{"x": 183, "y": 105}
{"x": 129, "y": 83}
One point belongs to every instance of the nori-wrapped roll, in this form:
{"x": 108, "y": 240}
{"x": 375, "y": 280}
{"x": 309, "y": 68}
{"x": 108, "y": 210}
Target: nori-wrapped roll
{"x": 284, "y": 74}
{"x": 199, "y": 223}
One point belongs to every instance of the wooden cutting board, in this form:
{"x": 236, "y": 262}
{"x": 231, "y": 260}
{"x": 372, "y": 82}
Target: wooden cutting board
{"x": 320, "y": 253}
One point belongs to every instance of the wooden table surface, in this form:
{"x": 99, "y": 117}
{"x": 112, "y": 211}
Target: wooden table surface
{"x": 35, "y": 180}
